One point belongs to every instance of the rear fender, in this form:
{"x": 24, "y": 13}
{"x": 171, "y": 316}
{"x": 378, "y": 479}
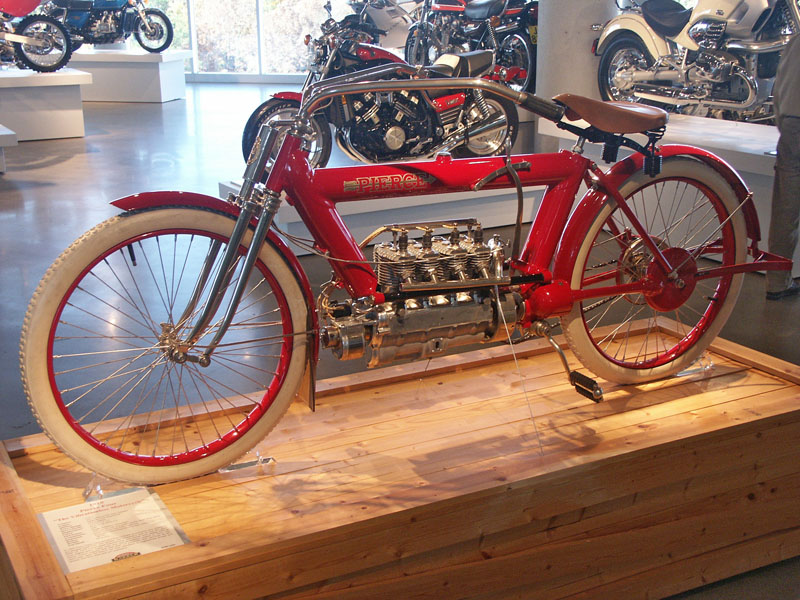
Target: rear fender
{"x": 594, "y": 199}
{"x": 632, "y": 24}
{"x": 151, "y": 200}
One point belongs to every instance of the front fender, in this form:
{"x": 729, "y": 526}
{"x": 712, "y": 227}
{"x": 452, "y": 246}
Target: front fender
{"x": 632, "y": 24}
{"x": 296, "y": 96}
{"x": 151, "y": 200}
{"x": 593, "y": 200}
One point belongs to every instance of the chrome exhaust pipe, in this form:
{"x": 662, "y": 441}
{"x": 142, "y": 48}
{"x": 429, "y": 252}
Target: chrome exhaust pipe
{"x": 675, "y": 97}
{"x": 760, "y": 47}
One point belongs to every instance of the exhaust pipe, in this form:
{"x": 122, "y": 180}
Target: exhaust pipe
{"x": 488, "y": 126}
{"x": 676, "y": 97}
{"x": 760, "y": 47}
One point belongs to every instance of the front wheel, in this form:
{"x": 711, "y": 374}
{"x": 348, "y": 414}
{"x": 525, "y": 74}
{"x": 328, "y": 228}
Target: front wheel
{"x": 690, "y": 212}
{"x": 485, "y": 139}
{"x": 516, "y": 61}
{"x": 277, "y": 109}
{"x": 50, "y": 47}
{"x": 154, "y": 33}
{"x": 105, "y": 360}
{"x": 417, "y": 46}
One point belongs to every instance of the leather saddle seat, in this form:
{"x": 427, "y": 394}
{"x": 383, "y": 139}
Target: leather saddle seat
{"x": 666, "y": 17}
{"x": 74, "y": 4}
{"x": 480, "y": 10}
{"x": 466, "y": 64}
{"x": 613, "y": 117}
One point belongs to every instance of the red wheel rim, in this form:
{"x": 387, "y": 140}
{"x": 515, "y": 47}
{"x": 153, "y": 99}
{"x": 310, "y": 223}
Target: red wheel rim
{"x": 207, "y": 449}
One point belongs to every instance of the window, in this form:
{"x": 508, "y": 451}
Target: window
{"x": 249, "y": 37}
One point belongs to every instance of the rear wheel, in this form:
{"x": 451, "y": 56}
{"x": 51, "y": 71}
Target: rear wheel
{"x": 51, "y": 47}
{"x": 690, "y": 211}
{"x": 107, "y": 367}
{"x": 516, "y": 56}
{"x": 621, "y": 59}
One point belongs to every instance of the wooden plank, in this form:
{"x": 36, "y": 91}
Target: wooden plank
{"x": 38, "y": 574}
{"x": 700, "y": 570}
{"x": 398, "y": 543}
{"x": 392, "y": 542}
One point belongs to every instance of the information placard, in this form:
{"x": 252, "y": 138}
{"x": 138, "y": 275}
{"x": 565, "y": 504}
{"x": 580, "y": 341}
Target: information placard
{"x": 111, "y": 528}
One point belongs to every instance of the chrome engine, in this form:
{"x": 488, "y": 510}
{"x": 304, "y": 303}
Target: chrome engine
{"x": 103, "y": 27}
{"x": 385, "y": 125}
{"x": 442, "y": 292}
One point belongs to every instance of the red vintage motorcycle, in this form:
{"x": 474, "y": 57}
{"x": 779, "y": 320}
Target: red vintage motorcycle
{"x": 169, "y": 340}
{"x": 376, "y": 127}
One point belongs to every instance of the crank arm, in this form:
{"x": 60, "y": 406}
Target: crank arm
{"x": 584, "y": 385}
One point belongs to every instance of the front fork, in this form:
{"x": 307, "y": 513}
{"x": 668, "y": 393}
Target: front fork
{"x": 253, "y": 201}
{"x": 143, "y": 16}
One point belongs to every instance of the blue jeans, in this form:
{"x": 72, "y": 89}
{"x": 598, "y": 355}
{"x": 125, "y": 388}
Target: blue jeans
{"x": 783, "y": 225}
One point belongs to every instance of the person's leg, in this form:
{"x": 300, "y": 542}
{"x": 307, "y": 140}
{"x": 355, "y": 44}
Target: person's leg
{"x": 783, "y": 227}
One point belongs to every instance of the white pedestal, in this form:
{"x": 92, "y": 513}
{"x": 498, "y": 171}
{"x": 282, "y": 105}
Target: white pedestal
{"x": 43, "y": 106}
{"x": 132, "y": 75}
{"x": 492, "y": 208}
{"x": 7, "y": 138}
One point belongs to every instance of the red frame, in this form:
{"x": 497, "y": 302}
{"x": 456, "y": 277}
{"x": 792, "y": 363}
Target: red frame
{"x": 553, "y": 237}
{"x": 315, "y": 194}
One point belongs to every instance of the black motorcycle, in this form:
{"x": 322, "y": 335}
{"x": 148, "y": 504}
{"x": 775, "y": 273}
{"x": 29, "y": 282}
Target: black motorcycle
{"x": 110, "y": 21}
{"x": 507, "y": 27}
{"x": 379, "y": 127}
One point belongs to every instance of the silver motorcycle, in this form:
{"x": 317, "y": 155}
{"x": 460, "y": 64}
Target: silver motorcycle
{"x": 718, "y": 58}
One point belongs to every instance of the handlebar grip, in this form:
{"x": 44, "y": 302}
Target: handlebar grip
{"x": 552, "y": 111}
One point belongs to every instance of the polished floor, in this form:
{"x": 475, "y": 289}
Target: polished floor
{"x": 54, "y": 190}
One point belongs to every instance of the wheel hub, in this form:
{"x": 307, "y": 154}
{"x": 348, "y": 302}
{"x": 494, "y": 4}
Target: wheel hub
{"x": 176, "y": 350}
{"x": 633, "y": 266}
{"x": 664, "y": 292}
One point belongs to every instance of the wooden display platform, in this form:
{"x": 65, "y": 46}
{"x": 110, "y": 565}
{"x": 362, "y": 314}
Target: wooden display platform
{"x": 432, "y": 480}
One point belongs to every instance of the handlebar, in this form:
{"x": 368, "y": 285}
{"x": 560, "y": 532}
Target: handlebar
{"x": 552, "y": 111}
{"x": 324, "y": 90}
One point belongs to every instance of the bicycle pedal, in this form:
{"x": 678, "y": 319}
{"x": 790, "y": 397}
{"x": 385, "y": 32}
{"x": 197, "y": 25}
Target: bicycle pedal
{"x": 586, "y": 386}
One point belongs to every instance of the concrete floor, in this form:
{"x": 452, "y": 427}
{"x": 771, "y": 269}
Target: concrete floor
{"x": 54, "y": 190}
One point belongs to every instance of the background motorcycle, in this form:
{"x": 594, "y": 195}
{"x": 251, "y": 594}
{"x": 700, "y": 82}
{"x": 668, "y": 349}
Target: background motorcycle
{"x": 110, "y": 21}
{"x": 390, "y": 16}
{"x": 386, "y": 127}
{"x": 719, "y": 57}
{"x": 37, "y": 42}
{"x": 507, "y": 27}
